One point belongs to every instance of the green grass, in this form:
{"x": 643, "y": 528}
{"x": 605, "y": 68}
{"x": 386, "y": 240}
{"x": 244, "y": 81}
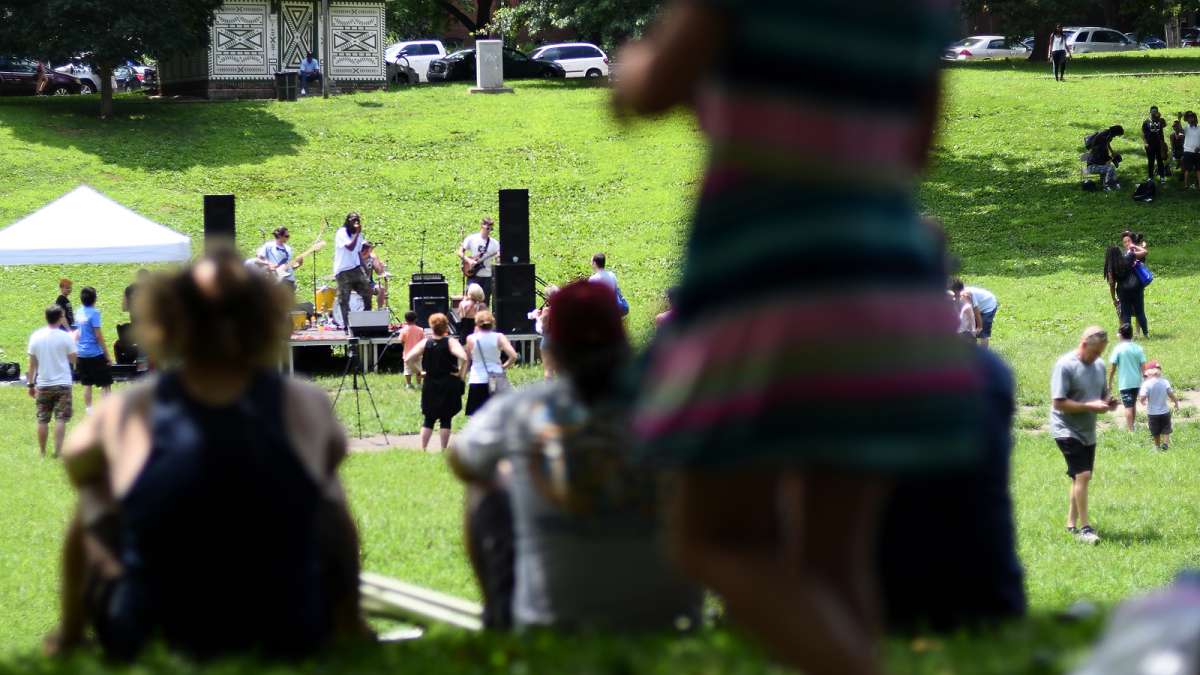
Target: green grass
{"x": 1004, "y": 180}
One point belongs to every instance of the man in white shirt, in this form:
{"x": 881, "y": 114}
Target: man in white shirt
{"x": 278, "y": 254}
{"x": 310, "y": 69}
{"x": 601, "y": 275}
{"x": 479, "y": 251}
{"x": 347, "y": 266}
{"x": 51, "y": 357}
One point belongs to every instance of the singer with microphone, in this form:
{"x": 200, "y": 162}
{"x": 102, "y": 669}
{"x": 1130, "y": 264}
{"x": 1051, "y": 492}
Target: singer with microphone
{"x": 347, "y": 266}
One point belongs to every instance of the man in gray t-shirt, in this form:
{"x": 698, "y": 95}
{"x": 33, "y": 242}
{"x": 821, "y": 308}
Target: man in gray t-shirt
{"x": 588, "y": 546}
{"x": 1078, "y": 389}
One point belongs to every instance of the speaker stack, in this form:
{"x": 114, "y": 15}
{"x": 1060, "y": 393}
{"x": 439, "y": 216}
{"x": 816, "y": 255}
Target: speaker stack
{"x": 513, "y": 289}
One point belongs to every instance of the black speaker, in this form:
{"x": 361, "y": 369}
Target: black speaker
{"x": 514, "y": 226}
{"x": 428, "y": 298}
{"x": 219, "y": 217}
{"x": 513, "y": 297}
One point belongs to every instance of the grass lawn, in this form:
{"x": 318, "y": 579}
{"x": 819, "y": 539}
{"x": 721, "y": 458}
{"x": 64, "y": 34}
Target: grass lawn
{"x": 1004, "y": 180}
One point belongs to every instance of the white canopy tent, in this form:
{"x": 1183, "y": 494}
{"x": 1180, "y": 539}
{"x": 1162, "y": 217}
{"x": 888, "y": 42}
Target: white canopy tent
{"x": 84, "y": 226}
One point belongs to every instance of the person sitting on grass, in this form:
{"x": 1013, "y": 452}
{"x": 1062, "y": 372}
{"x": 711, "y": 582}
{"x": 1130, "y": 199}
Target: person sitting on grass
{"x": 210, "y": 513}
{"x": 550, "y": 471}
{"x": 1127, "y": 361}
{"x": 1101, "y": 160}
{"x": 949, "y": 530}
{"x": 442, "y": 362}
{"x": 1155, "y": 392}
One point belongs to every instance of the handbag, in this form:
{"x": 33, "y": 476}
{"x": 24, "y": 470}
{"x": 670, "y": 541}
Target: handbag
{"x": 496, "y": 383}
{"x": 1144, "y": 275}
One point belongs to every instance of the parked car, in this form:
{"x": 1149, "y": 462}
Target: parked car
{"x": 578, "y": 59}
{"x": 984, "y": 47}
{"x": 133, "y": 78}
{"x": 78, "y": 68}
{"x": 18, "y": 77}
{"x": 460, "y": 66}
{"x": 1029, "y": 42}
{"x": 418, "y": 53}
{"x": 1095, "y": 39}
{"x": 1148, "y": 41}
{"x": 1189, "y": 37}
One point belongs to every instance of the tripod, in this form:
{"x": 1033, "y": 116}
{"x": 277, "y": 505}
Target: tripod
{"x": 353, "y": 366}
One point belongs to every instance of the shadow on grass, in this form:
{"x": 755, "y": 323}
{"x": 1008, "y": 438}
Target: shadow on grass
{"x": 154, "y": 135}
{"x": 1142, "y": 536}
{"x": 1026, "y": 215}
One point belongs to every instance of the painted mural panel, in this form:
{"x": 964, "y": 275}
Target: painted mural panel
{"x": 240, "y": 49}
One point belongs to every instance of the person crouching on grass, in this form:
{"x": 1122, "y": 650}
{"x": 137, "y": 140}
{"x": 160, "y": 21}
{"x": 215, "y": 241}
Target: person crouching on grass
{"x": 1078, "y": 391}
{"x": 1155, "y": 392}
{"x": 210, "y": 512}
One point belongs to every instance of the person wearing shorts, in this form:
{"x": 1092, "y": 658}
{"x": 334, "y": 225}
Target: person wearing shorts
{"x": 1154, "y": 393}
{"x": 51, "y": 356}
{"x": 95, "y": 363}
{"x": 1127, "y": 359}
{"x": 1079, "y": 392}
{"x": 411, "y": 336}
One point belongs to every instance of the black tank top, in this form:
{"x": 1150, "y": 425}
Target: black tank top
{"x": 219, "y": 532}
{"x": 437, "y": 361}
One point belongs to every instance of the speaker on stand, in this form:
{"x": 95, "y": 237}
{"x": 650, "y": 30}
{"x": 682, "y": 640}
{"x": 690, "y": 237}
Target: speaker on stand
{"x": 219, "y": 220}
{"x": 514, "y": 226}
{"x": 513, "y": 297}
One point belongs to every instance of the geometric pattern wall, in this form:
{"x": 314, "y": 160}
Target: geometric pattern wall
{"x": 240, "y": 41}
{"x": 297, "y": 33}
{"x": 358, "y": 34}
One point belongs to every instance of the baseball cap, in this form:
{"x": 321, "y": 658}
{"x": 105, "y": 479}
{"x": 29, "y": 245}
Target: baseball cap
{"x": 1154, "y": 364}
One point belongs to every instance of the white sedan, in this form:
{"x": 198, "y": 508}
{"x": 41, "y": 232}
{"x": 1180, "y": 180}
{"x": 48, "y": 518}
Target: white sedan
{"x": 985, "y": 47}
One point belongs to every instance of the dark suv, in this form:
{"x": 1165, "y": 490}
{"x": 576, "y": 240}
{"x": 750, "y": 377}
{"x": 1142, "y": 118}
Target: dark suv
{"x": 461, "y": 66}
{"x": 19, "y": 76}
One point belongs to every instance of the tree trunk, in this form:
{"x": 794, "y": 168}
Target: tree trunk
{"x": 483, "y": 14}
{"x": 106, "y": 92}
{"x": 1041, "y": 44}
{"x": 1171, "y": 32}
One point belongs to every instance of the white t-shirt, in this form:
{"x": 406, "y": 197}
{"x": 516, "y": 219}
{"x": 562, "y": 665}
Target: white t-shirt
{"x": 605, "y": 277}
{"x": 1058, "y": 43}
{"x": 52, "y": 348}
{"x": 477, "y": 246}
{"x": 983, "y": 299}
{"x": 1156, "y": 391}
{"x": 343, "y": 258}
{"x": 1191, "y": 138}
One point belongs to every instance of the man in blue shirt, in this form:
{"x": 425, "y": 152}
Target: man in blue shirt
{"x": 278, "y": 255}
{"x": 94, "y": 363}
{"x": 310, "y": 69}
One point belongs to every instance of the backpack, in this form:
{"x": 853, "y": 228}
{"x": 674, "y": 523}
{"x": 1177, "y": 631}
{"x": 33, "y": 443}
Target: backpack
{"x": 1090, "y": 140}
{"x": 622, "y": 303}
{"x": 1090, "y": 185}
{"x": 1145, "y": 192}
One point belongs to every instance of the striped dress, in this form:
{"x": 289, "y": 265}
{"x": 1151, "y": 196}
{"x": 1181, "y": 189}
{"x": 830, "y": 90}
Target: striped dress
{"x": 812, "y": 326}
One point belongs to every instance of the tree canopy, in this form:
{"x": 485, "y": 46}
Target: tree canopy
{"x": 106, "y": 32}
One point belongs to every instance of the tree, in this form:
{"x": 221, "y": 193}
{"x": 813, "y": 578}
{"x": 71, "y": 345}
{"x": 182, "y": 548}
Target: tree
{"x": 411, "y": 18}
{"x": 606, "y": 22}
{"x": 108, "y": 32}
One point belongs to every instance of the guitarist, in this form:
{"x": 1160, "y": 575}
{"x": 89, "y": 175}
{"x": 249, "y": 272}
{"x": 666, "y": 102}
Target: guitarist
{"x": 479, "y": 253}
{"x": 278, "y": 254}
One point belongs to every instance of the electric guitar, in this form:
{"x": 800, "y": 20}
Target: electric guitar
{"x": 471, "y": 265}
{"x": 286, "y": 268}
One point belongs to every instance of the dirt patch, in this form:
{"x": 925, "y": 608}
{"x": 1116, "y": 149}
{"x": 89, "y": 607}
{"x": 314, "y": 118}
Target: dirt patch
{"x": 1033, "y": 418}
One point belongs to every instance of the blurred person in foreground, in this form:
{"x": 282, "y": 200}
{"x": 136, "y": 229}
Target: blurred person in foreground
{"x": 796, "y": 402}
{"x": 210, "y": 512}
{"x": 562, "y": 527}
